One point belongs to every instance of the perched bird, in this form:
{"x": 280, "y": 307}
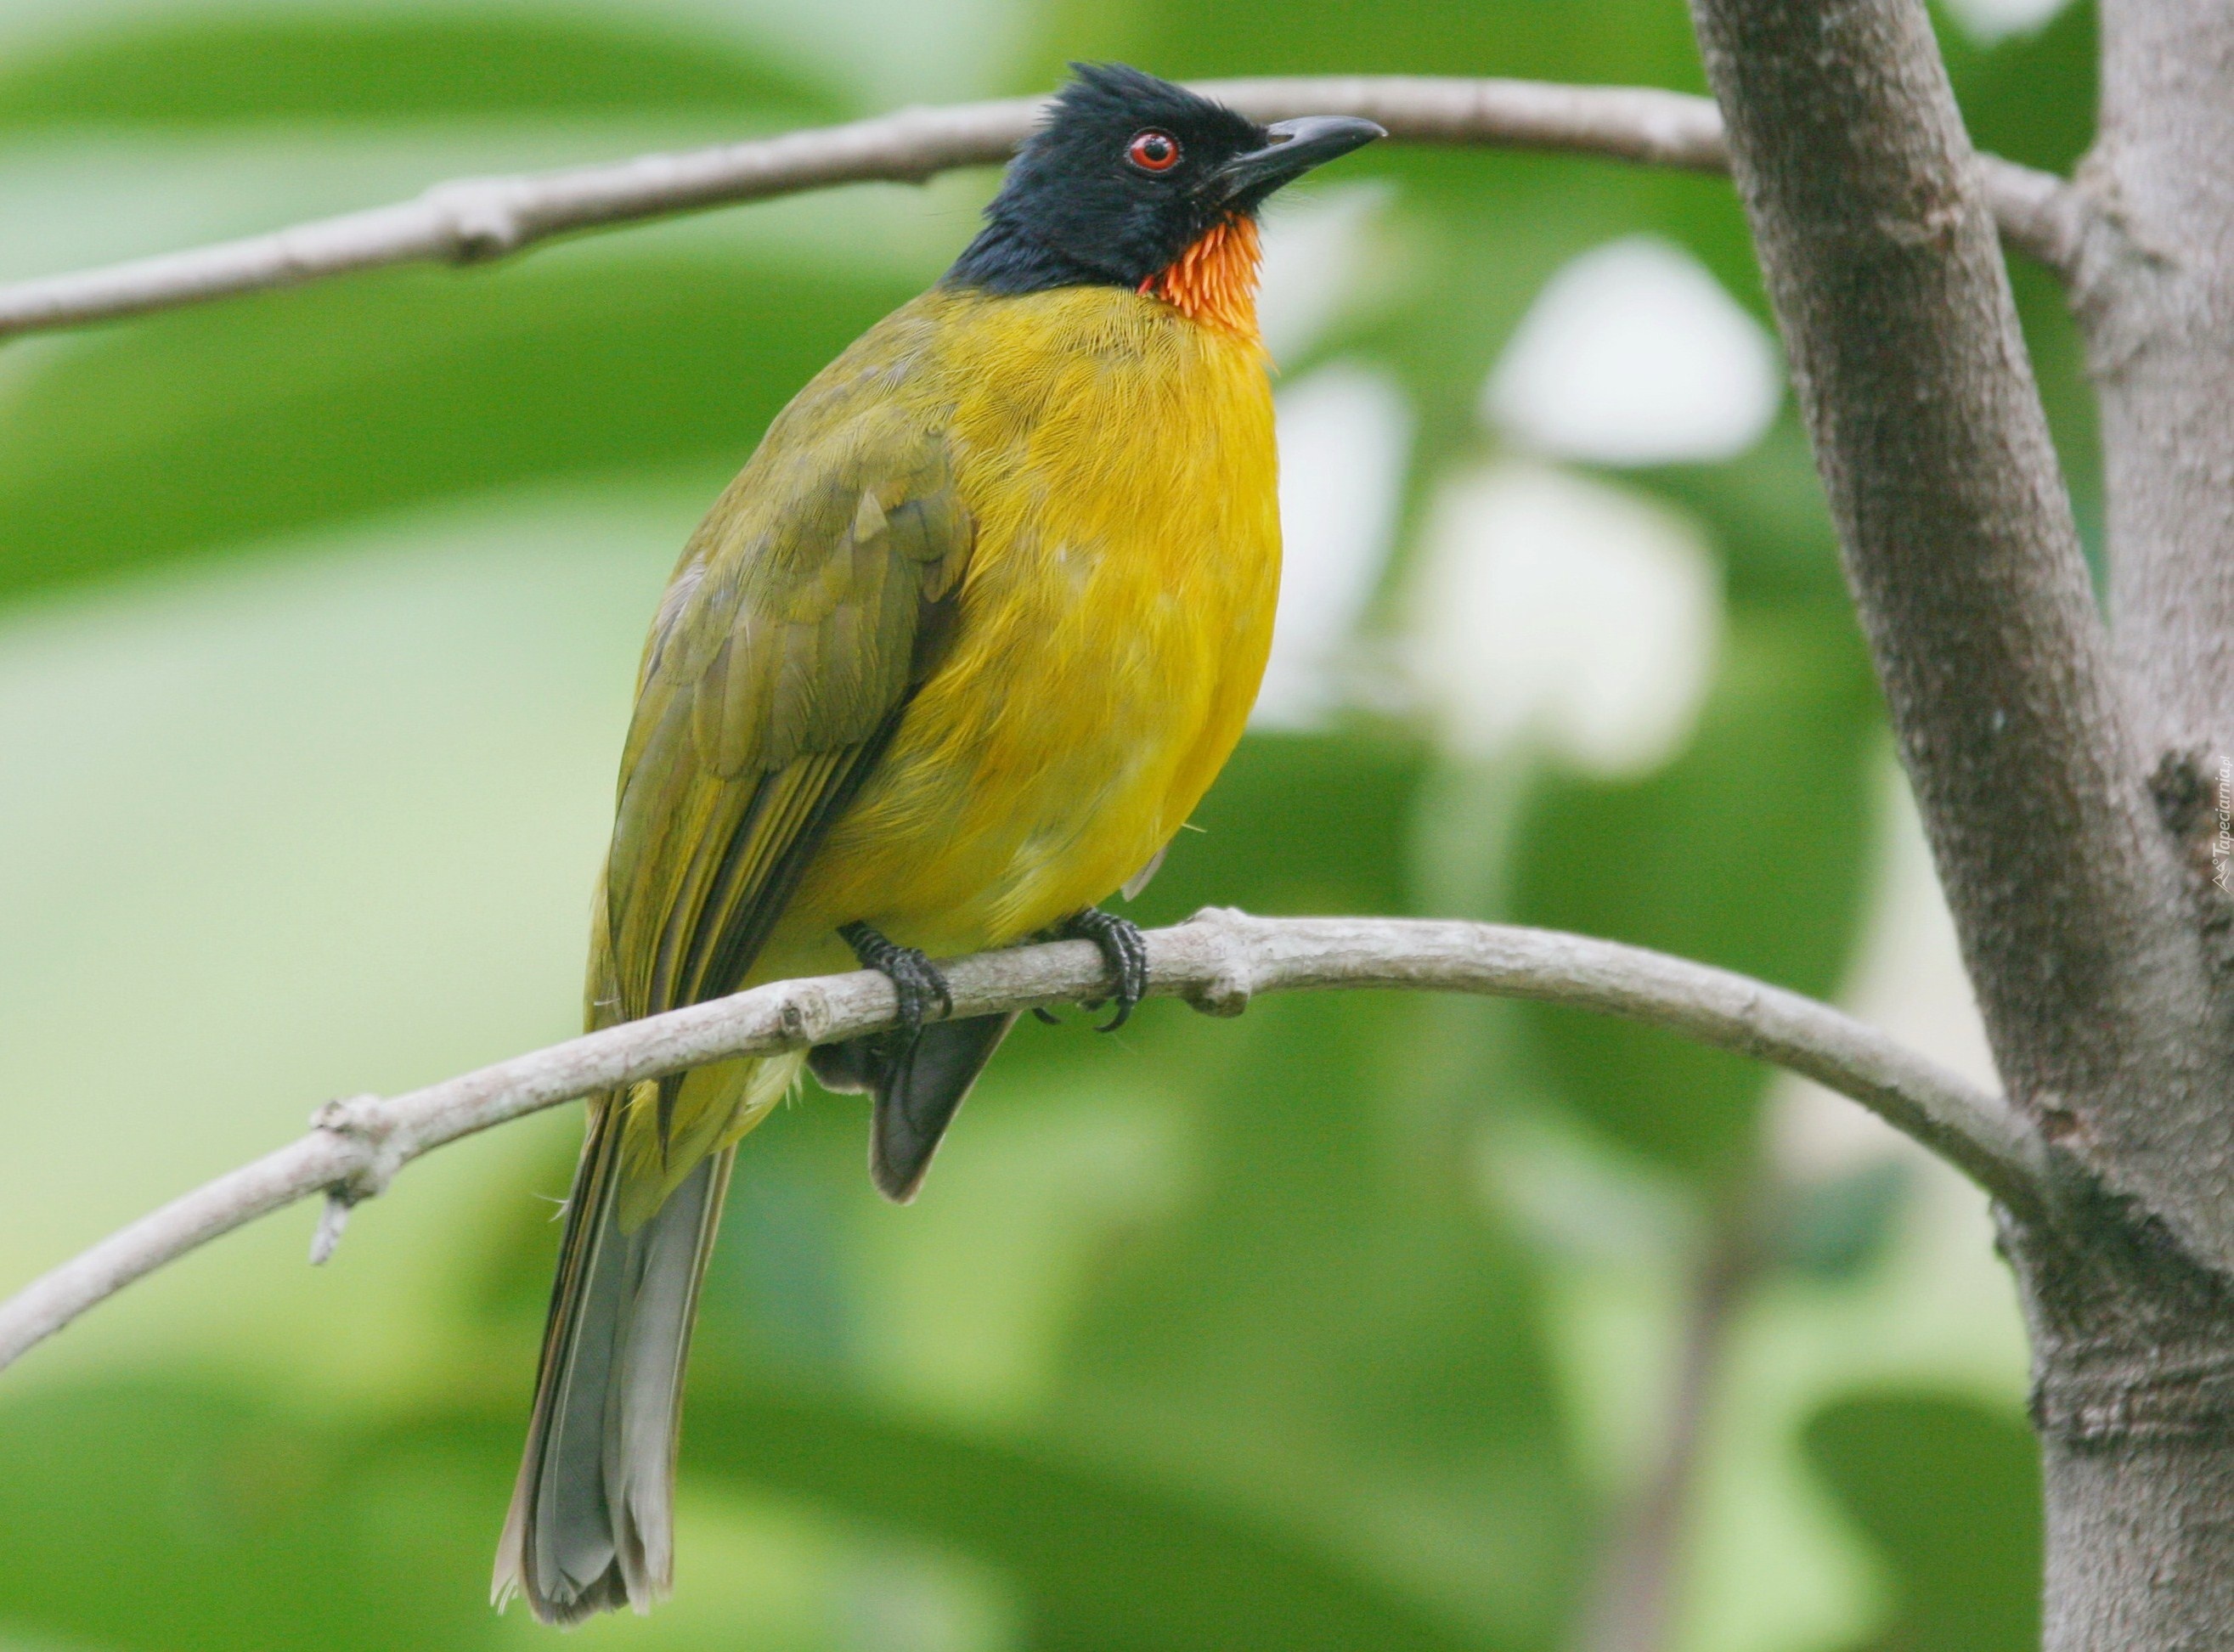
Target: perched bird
{"x": 948, "y": 662}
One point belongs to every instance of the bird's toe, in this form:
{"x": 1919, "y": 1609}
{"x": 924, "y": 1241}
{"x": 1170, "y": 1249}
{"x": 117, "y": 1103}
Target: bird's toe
{"x": 916, "y": 982}
{"x": 1124, "y": 949}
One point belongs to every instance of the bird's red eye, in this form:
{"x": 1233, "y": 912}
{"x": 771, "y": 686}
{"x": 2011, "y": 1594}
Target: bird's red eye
{"x": 1153, "y": 151}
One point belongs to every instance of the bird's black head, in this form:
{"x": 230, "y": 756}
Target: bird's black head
{"x": 1126, "y": 173}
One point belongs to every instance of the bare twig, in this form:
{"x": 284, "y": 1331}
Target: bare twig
{"x": 1216, "y": 962}
{"x": 470, "y": 219}
{"x": 1635, "y": 1600}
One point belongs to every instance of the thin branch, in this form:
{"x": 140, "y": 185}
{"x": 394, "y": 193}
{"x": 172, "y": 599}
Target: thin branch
{"x": 1636, "y": 1597}
{"x": 1216, "y": 962}
{"x": 1878, "y": 250}
{"x": 471, "y": 220}
{"x": 2038, "y": 212}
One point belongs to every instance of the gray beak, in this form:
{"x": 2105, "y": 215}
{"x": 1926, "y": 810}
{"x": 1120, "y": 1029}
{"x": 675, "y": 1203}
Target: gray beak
{"x": 1297, "y": 146}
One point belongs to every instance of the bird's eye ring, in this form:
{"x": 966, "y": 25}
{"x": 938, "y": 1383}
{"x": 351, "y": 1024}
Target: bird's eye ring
{"x": 1153, "y": 151}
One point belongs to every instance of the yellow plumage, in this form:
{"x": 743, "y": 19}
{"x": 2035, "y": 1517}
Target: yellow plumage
{"x": 1116, "y": 460}
{"x": 948, "y": 662}
{"x": 955, "y": 655}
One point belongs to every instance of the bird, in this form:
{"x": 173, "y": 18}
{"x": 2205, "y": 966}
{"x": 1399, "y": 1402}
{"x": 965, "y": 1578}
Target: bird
{"x": 945, "y": 667}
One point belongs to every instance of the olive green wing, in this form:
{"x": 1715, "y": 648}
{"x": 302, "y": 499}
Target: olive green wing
{"x": 806, "y": 609}
{"x": 813, "y": 599}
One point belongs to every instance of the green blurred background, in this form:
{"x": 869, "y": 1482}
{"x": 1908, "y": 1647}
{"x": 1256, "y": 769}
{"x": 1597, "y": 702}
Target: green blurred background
{"x": 1361, "y": 1323}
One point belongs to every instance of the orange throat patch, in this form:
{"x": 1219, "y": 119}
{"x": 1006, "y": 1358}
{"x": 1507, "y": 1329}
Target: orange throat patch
{"x": 1214, "y": 281}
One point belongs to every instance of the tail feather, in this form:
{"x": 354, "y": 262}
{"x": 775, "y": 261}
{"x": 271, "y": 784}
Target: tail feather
{"x": 592, "y": 1524}
{"x": 919, "y": 1084}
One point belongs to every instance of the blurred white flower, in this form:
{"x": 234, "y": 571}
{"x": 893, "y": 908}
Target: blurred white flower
{"x": 1345, "y": 431}
{"x": 1314, "y": 250}
{"x": 1560, "y": 610}
{"x": 1987, "y": 21}
{"x": 1633, "y": 355}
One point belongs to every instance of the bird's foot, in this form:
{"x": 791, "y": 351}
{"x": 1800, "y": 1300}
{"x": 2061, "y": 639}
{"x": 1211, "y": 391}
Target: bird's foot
{"x": 916, "y": 980}
{"x": 1122, "y": 947}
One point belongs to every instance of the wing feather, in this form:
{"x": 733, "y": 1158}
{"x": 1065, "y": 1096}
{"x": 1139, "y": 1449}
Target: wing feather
{"x": 791, "y": 638}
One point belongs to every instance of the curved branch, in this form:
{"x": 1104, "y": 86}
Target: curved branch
{"x": 471, "y": 220}
{"x": 1216, "y": 961}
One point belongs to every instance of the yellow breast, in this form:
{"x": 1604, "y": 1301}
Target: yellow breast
{"x": 1118, "y": 458}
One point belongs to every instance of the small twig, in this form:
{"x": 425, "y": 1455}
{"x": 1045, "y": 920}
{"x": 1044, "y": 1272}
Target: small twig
{"x": 472, "y": 219}
{"x": 1215, "y": 961}
{"x": 1637, "y": 1599}
{"x": 333, "y": 1216}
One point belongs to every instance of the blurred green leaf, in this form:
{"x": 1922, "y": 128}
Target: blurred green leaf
{"x": 1100, "y": 1561}
{"x": 161, "y": 1516}
{"x": 2030, "y": 98}
{"x": 1746, "y": 852}
{"x": 1329, "y": 1327}
{"x": 216, "y": 426}
{"x": 1949, "y": 1491}
{"x": 1765, "y": 513}
{"x": 267, "y": 68}
{"x": 1296, "y": 824}
{"x": 1833, "y": 1229}
{"x": 1642, "y": 40}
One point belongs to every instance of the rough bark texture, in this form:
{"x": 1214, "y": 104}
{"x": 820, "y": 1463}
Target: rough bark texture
{"x": 2140, "y": 1539}
{"x": 1964, "y": 559}
{"x": 2035, "y": 746}
{"x": 2133, "y": 1385}
{"x": 2152, "y": 280}
{"x": 2156, "y": 293}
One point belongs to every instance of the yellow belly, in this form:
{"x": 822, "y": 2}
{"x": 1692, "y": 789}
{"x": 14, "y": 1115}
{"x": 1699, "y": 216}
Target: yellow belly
{"x": 1119, "y": 462}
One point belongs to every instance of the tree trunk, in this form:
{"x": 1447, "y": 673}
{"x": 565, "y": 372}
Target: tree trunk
{"x": 2068, "y": 780}
{"x": 2155, "y": 294}
{"x": 2132, "y": 1388}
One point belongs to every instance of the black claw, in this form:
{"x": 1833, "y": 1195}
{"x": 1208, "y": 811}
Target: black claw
{"x": 1125, "y": 951}
{"x": 916, "y": 980}
{"x": 1042, "y": 1013}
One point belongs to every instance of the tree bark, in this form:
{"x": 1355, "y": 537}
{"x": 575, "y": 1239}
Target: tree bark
{"x": 2155, "y": 294}
{"x": 2133, "y": 1565}
{"x": 2132, "y": 1391}
{"x": 2035, "y": 745}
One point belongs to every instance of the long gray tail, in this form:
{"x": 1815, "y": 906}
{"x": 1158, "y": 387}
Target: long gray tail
{"x": 592, "y": 1521}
